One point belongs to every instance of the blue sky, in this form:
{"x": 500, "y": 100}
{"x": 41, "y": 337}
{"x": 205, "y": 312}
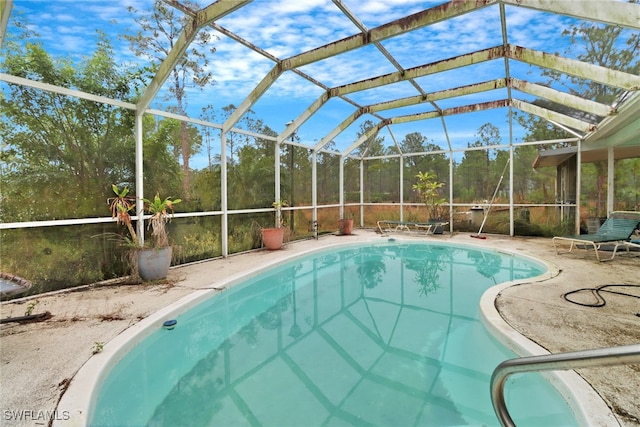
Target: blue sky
{"x": 288, "y": 27}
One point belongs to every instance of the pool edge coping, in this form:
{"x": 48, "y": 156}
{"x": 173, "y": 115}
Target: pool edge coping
{"x": 78, "y": 401}
{"x": 587, "y": 405}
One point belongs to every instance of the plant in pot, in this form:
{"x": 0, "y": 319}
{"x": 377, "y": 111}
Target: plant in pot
{"x": 345, "y": 224}
{"x": 273, "y": 238}
{"x": 153, "y": 260}
{"x": 428, "y": 188}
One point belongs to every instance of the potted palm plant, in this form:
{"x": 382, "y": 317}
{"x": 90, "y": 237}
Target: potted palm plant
{"x": 154, "y": 259}
{"x": 273, "y": 238}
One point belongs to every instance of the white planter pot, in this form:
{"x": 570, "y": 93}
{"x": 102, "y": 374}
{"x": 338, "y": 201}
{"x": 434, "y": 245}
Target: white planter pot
{"x": 153, "y": 264}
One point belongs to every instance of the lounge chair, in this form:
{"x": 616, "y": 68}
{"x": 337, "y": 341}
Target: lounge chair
{"x": 615, "y": 231}
{"x": 388, "y": 226}
{"x": 632, "y": 244}
{"x": 431, "y": 227}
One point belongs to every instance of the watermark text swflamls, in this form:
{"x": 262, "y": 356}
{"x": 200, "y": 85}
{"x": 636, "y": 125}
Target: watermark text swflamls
{"x": 34, "y": 415}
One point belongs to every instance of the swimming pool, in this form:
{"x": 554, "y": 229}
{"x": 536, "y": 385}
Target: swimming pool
{"x": 377, "y": 334}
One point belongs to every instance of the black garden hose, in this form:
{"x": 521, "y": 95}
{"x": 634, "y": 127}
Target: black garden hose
{"x": 597, "y": 293}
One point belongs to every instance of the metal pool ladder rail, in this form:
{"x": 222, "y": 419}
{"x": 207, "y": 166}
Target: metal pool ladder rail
{"x": 599, "y": 357}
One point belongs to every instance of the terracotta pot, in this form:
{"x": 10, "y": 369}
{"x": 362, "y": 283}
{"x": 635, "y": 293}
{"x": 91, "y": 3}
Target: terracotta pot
{"x": 272, "y": 238}
{"x": 346, "y": 226}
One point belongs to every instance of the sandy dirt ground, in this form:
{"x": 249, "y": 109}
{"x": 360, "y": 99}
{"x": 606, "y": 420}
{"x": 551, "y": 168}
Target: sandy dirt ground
{"x": 38, "y": 360}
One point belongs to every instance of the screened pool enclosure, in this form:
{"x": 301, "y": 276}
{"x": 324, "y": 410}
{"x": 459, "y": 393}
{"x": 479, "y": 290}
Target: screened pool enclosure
{"x": 530, "y": 107}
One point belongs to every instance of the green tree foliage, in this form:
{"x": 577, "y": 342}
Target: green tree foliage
{"x": 209, "y": 135}
{"x": 605, "y": 45}
{"x": 373, "y": 174}
{"x": 254, "y": 183}
{"x": 159, "y": 30}
{"x": 373, "y": 146}
{"x": 535, "y": 185}
{"x": 429, "y": 189}
{"x": 608, "y": 46}
{"x": 437, "y": 163}
{"x": 328, "y": 170}
{"x": 63, "y": 151}
{"x": 628, "y": 184}
{"x": 161, "y": 165}
{"x": 477, "y": 174}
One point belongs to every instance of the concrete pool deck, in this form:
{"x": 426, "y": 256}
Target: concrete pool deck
{"x": 38, "y": 360}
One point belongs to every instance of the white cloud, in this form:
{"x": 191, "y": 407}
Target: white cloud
{"x": 286, "y": 28}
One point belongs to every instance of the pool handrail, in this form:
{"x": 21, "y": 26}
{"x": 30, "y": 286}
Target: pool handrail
{"x": 600, "y": 357}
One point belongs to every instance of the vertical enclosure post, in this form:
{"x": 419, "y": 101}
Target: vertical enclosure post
{"x": 341, "y": 183}
{"x": 361, "y": 193}
{"x": 139, "y": 177}
{"x": 223, "y": 193}
{"x": 277, "y": 180}
{"x": 401, "y": 188}
{"x": 511, "y": 216}
{"x": 610, "y": 181}
{"x": 576, "y": 225}
{"x": 314, "y": 190}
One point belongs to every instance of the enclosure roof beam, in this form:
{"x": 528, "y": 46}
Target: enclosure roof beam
{"x": 521, "y": 105}
{"x": 592, "y": 72}
{"x": 65, "y": 91}
{"x": 394, "y": 28}
{"x": 415, "y": 117}
{"x": 502, "y": 103}
{"x": 255, "y": 94}
{"x": 362, "y": 27}
{"x": 450, "y": 111}
{"x": 421, "y": 71}
{"x": 563, "y": 98}
{"x": 568, "y": 66}
{"x": 257, "y": 49}
{"x": 552, "y": 116}
{"x": 218, "y": 10}
{"x": 306, "y": 114}
{"x": 619, "y": 13}
{"x": 576, "y": 68}
{"x": 366, "y": 136}
{"x": 442, "y": 94}
{"x": 341, "y": 127}
{"x": 212, "y": 12}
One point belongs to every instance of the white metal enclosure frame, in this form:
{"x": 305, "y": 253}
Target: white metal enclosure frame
{"x": 619, "y": 125}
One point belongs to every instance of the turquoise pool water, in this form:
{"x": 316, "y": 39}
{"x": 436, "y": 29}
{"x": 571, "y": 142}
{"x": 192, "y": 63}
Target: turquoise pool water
{"x": 371, "y": 335}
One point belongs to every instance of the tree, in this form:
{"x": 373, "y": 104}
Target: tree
{"x": 607, "y": 46}
{"x": 413, "y": 143}
{"x": 208, "y": 114}
{"x": 429, "y": 189}
{"x": 253, "y": 184}
{"x": 159, "y": 31}
{"x": 535, "y": 185}
{"x": 161, "y": 165}
{"x": 475, "y": 172}
{"x": 435, "y": 163}
{"x": 373, "y": 146}
{"x": 328, "y": 171}
{"x": 63, "y": 151}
